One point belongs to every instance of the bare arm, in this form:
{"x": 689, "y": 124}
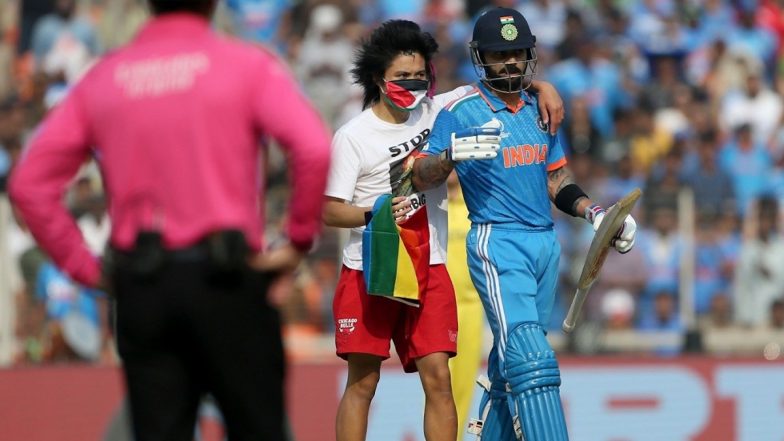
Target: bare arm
{"x": 339, "y": 213}
{"x": 304, "y": 138}
{"x": 560, "y": 178}
{"x": 431, "y": 171}
{"x": 551, "y": 107}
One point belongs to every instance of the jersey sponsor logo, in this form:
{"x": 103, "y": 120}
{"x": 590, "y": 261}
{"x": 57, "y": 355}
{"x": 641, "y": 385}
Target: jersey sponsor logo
{"x": 412, "y": 144}
{"x": 347, "y": 325}
{"x": 524, "y": 155}
{"x": 543, "y": 126}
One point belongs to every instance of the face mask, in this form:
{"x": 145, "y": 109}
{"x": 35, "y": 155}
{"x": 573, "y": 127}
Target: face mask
{"x": 405, "y": 95}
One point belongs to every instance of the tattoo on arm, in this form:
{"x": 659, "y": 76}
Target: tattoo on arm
{"x": 557, "y": 180}
{"x": 431, "y": 171}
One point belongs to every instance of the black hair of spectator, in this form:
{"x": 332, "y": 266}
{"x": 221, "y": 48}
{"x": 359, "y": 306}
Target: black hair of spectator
{"x": 743, "y": 129}
{"x": 615, "y": 14}
{"x": 768, "y": 205}
{"x": 709, "y": 136}
{"x": 707, "y": 217}
{"x": 656, "y": 62}
{"x": 201, "y": 7}
{"x": 701, "y": 95}
{"x": 646, "y": 106}
{"x": 376, "y": 53}
{"x": 574, "y": 15}
{"x": 8, "y": 103}
{"x": 620, "y": 114}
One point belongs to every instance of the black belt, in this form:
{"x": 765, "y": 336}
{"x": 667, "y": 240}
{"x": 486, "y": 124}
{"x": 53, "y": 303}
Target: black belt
{"x": 225, "y": 251}
{"x": 194, "y": 253}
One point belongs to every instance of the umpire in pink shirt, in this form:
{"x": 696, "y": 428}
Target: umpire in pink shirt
{"x": 175, "y": 120}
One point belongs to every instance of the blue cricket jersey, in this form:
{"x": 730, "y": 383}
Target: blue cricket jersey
{"x": 512, "y": 187}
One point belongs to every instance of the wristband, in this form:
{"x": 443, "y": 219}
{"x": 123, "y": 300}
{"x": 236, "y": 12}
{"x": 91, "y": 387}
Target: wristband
{"x": 566, "y": 199}
{"x": 593, "y": 211}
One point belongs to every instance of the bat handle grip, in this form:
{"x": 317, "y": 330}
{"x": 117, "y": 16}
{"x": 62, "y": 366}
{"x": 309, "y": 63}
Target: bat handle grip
{"x": 570, "y": 321}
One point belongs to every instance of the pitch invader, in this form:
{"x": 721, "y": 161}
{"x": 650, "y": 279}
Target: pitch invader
{"x": 513, "y": 253}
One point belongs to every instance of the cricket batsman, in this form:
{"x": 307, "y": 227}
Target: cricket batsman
{"x": 513, "y": 252}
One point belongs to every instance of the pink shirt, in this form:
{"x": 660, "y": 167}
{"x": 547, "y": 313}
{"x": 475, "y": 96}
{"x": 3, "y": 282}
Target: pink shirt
{"x": 175, "y": 121}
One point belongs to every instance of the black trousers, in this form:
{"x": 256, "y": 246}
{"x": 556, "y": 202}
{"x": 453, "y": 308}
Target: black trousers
{"x": 182, "y": 334}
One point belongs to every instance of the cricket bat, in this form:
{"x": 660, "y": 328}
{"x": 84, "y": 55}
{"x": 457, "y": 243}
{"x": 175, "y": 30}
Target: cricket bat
{"x": 597, "y": 252}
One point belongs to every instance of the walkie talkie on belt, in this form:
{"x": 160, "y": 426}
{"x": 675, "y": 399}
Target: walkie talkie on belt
{"x": 148, "y": 256}
{"x": 227, "y": 252}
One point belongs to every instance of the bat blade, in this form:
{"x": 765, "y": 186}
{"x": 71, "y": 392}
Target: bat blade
{"x": 600, "y": 246}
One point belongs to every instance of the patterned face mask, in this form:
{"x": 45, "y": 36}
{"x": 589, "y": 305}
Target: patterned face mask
{"x": 405, "y": 95}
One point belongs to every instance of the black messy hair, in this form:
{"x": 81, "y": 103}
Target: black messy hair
{"x": 376, "y": 54}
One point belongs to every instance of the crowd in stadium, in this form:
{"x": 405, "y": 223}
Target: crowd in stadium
{"x": 679, "y": 98}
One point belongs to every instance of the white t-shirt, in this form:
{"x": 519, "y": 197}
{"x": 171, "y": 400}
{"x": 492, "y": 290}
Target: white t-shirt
{"x": 367, "y": 160}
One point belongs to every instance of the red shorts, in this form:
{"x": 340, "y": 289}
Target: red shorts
{"x": 365, "y": 323}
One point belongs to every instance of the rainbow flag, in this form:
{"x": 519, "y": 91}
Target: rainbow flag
{"x": 396, "y": 257}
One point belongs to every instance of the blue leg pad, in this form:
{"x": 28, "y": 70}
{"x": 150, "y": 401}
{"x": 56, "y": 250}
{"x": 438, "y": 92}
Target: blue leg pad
{"x": 533, "y": 381}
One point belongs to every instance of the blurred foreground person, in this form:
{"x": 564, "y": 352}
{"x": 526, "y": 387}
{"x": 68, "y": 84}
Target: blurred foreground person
{"x": 175, "y": 120}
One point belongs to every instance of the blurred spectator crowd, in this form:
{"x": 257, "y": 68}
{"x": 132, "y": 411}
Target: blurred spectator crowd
{"x": 680, "y": 98}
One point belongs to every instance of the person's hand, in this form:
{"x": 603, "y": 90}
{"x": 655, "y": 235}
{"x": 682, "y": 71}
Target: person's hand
{"x": 401, "y": 207}
{"x": 282, "y": 259}
{"x": 551, "y": 106}
{"x": 475, "y": 143}
{"x": 280, "y": 262}
{"x": 280, "y": 289}
{"x": 623, "y": 241}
